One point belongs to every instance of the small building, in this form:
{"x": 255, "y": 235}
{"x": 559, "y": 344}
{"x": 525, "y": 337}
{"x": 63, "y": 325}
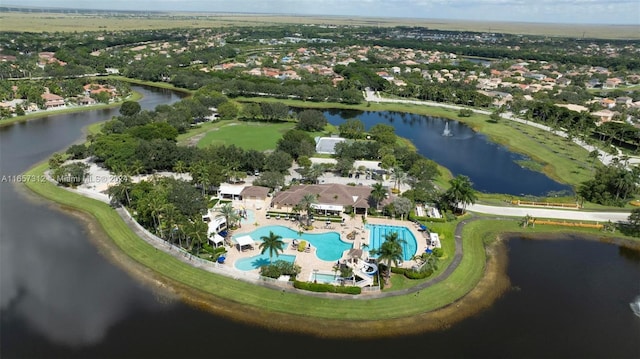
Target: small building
{"x": 327, "y": 145}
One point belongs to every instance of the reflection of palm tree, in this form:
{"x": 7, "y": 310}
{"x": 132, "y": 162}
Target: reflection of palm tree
{"x": 272, "y": 243}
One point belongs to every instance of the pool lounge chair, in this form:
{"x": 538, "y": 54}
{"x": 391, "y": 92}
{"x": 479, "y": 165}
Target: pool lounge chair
{"x": 308, "y": 249}
{"x": 268, "y": 216}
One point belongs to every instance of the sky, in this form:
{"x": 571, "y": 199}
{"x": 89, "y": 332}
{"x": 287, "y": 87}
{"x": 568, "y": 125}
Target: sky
{"x": 549, "y": 11}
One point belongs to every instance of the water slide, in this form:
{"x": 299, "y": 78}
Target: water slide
{"x": 365, "y": 271}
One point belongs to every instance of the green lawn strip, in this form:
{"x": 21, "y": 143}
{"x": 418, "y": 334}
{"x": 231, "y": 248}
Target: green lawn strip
{"x": 202, "y": 128}
{"x": 446, "y": 234}
{"x": 270, "y": 300}
{"x": 259, "y": 136}
{"x": 163, "y": 85}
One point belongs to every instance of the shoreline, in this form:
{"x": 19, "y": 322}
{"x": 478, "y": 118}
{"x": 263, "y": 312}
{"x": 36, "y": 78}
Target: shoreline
{"x": 263, "y": 305}
{"x": 135, "y": 96}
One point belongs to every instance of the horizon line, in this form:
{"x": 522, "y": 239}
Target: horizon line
{"x": 309, "y": 15}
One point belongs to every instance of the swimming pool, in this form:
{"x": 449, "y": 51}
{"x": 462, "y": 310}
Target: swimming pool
{"x": 378, "y": 231}
{"x": 324, "y": 278}
{"x": 251, "y": 218}
{"x": 329, "y": 245}
{"x": 260, "y": 260}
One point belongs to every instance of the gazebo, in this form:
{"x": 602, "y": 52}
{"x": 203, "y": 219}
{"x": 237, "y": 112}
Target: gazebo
{"x": 244, "y": 241}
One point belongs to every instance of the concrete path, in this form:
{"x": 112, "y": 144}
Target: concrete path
{"x": 568, "y": 214}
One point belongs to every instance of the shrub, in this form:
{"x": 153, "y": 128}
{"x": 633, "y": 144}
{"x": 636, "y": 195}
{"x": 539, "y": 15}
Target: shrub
{"x": 438, "y": 252}
{"x": 70, "y": 175}
{"x": 302, "y": 246}
{"x": 326, "y": 288}
{"x": 279, "y": 268}
{"x": 465, "y": 112}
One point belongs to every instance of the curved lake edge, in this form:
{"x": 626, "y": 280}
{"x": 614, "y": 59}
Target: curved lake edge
{"x": 438, "y": 318}
{"x": 135, "y": 96}
{"x": 491, "y": 283}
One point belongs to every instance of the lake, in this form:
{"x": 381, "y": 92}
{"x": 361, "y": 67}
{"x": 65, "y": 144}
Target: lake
{"x": 60, "y": 298}
{"x": 491, "y": 167}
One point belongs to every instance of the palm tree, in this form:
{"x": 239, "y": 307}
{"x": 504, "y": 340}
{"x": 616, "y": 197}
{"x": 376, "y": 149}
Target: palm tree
{"x": 200, "y": 174}
{"x": 392, "y": 237}
{"x": 460, "y": 192}
{"x": 120, "y": 192}
{"x": 180, "y": 167}
{"x": 168, "y": 220}
{"x": 196, "y": 230}
{"x": 314, "y": 172}
{"x": 389, "y": 253}
{"x": 230, "y": 215}
{"x": 156, "y": 202}
{"x": 272, "y": 243}
{"x": 594, "y": 155}
{"x": 399, "y": 177}
{"x": 378, "y": 193}
{"x": 307, "y": 202}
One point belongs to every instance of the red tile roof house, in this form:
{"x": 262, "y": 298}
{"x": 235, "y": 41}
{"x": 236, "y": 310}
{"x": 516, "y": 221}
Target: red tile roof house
{"x": 331, "y": 198}
{"x": 52, "y": 101}
{"x": 91, "y": 89}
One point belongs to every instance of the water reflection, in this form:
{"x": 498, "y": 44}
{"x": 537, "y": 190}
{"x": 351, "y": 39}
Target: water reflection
{"x": 491, "y": 167}
{"x": 52, "y": 278}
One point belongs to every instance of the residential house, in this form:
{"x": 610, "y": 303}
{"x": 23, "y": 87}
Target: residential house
{"x": 52, "y": 100}
{"x": 612, "y": 83}
{"x": 624, "y": 101}
{"x": 604, "y": 116}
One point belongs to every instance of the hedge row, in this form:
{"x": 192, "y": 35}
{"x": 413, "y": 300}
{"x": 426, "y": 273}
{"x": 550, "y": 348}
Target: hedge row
{"x": 323, "y": 287}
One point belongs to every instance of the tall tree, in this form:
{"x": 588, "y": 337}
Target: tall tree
{"x": 378, "y": 193}
{"x": 389, "y": 253}
{"x": 229, "y": 214}
{"x": 272, "y": 243}
{"x": 307, "y": 202}
{"x": 461, "y": 192}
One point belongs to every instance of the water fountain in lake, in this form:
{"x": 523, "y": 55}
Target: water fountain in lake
{"x": 447, "y": 131}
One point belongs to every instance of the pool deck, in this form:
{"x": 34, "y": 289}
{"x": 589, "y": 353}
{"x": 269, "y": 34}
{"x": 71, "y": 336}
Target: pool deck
{"x": 308, "y": 261}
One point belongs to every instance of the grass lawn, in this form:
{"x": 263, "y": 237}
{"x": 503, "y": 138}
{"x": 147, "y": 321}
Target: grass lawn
{"x": 259, "y": 136}
{"x": 461, "y": 281}
{"x": 37, "y": 21}
{"x": 446, "y": 233}
{"x": 558, "y": 158}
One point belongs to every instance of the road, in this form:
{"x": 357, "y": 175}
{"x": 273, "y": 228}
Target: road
{"x": 568, "y": 214}
{"x": 606, "y": 158}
